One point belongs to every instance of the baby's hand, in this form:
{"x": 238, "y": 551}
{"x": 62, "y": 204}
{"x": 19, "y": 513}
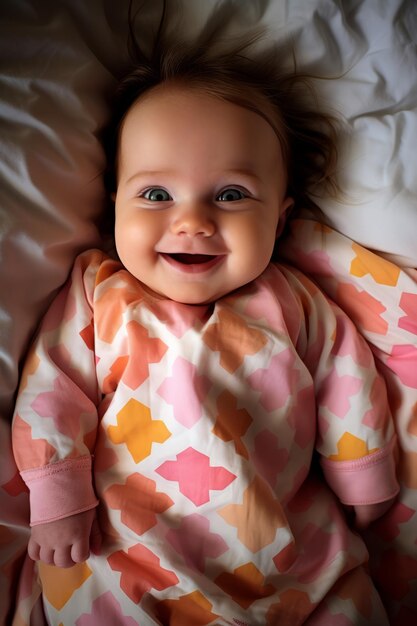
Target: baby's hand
{"x": 67, "y": 541}
{"x": 365, "y": 514}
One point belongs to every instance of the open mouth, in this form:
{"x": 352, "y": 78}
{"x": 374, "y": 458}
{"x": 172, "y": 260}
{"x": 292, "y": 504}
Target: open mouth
{"x": 192, "y": 259}
{"x": 192, "y": 262}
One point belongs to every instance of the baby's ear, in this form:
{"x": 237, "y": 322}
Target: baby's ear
{"x": 286, "y": 206}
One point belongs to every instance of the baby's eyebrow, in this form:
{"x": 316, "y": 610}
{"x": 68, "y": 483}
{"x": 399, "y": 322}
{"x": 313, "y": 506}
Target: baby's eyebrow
{"x": 242, "y": 171}
{"x": 146, "y": 173}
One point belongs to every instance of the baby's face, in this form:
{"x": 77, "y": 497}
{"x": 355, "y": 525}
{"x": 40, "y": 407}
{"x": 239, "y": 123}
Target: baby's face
{"x": 201, "y": 188}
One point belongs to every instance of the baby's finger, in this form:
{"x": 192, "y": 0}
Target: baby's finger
{"x": 80, "y": 550}
{"x": 62, "y": 557}
{"x": 46, "y": 555}
{"x": 33, "y": 550}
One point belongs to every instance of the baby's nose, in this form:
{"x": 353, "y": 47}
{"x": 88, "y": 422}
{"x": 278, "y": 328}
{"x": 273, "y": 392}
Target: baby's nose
{"x": 193, "y": 221}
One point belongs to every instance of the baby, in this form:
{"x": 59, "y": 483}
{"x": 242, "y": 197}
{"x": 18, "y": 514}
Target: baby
{"x": 176, "y": 399}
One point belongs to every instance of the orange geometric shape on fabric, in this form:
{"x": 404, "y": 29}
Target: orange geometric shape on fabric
{"x": 285, "y": 558}
{"x": 192, "y": 609}
{"x": 59, "y": 584}
{"x": 111, "y": 305}
{"x": 109, "y": 309}
{"x": 31, "y": 365}
{"x": 364, "y": 309}
{"x": 231, "y": 422}
{"x": 144, "y": 350}
{"x": 396, "y": 574}
{"x": 292, "y": 610}
{"x": 350, "y": 448}
{"x": 357, "y": 587}
{"x": 107, "y": 268}
{"x": 382, "y": 271}
{"x": 30, "y": 452}
{"x": 258, "y": 518}
{"x": 87, "y": 335}
{"x": 112, "y": 380}
{"x": 138, "y": 501}
{"x": 234, "y": 339}
{"x": 245, "y": 585}
{"x": 136, "y": 428}
{"x": 140, "y": 571}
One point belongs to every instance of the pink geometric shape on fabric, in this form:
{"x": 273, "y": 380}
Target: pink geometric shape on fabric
{"x": 403, "y": 361}
{"x": 299, "y": 418}
{"x": 376, "y": 416}
{"x": 140, "y": 571}
{"x": 63, "y": 309}
{"x": 30, "y": 451}
{"x": 262, "y": 305}
{"x": 408, "y": 303}
{"x": 185, "y": 390}
{"x": 319, "y": 548}
{"x": 277, "y": 382}
{"x": 194, "y": 475}
{"x": 348, "y": 342}
{"x": 105, "y": 610}
{"x": 61, "y": 356}
{"x": 336, "y": 391}
{"x": 65, "y": 405}
{"x": 268, "y": 457}
{"x": 317, "y": 261}
{"x": 194, "y": 541}
{"x": 388, "y": 527}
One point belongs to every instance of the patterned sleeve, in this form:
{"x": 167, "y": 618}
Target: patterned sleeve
{"x": 355, "y": 432}
{"x": 55, "y": 420}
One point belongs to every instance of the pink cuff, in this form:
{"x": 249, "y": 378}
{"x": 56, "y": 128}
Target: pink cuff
{"x": 368, "y": 480}
{"x": 60, "y": 489}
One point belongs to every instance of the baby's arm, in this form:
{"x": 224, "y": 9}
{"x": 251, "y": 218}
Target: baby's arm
{"x": 55, "y": 423}
{"x": 67, "y": 541}
{"x": 356, "y": 437}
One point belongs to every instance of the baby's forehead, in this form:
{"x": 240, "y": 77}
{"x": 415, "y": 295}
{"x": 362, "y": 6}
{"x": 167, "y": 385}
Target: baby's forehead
{"x": 200, "y": 100}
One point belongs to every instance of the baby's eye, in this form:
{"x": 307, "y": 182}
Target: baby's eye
{"x": 156, "y": 194}
{"x": 230, "y": 195}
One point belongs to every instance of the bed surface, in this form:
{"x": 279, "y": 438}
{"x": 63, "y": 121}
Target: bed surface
{"x": 59, "y": 65}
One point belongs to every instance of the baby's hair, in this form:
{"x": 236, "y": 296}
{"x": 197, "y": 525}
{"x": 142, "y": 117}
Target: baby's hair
{"x": 248, "y": 78}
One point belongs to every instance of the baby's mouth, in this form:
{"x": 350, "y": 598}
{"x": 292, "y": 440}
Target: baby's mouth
{"x": 192, "y": 259}
{"x": 187, "y": 263}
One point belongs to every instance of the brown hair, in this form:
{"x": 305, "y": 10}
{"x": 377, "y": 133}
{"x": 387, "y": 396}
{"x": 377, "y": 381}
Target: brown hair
{"x": 254, "y": 80}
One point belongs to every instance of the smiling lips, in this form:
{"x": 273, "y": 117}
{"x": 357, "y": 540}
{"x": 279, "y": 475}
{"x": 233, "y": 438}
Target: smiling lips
{"x": 192, "y": 263}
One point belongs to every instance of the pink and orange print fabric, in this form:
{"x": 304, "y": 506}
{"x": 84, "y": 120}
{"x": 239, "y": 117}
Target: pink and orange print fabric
{"x": 201, "y": 423}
